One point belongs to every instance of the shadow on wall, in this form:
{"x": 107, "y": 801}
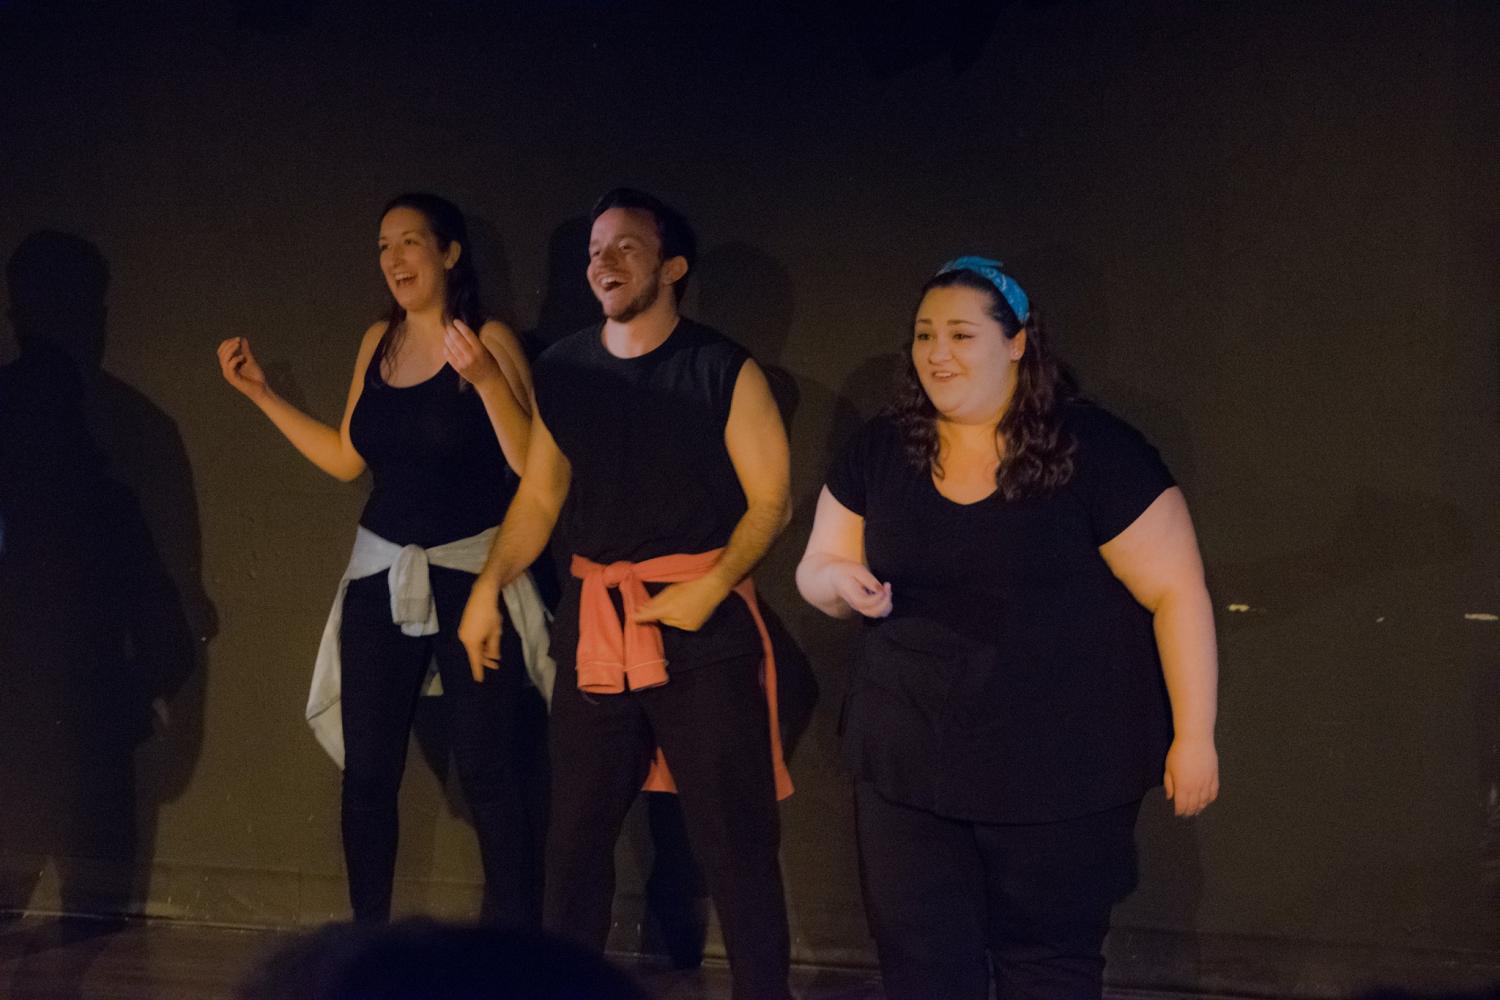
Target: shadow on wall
{"x": 103, "y": 617}
{"x": 568, "y": 305}
{"x": 493, "y": 268}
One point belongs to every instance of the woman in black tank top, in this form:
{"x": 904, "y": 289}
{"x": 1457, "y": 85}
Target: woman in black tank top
{"x": 438, "y": 411}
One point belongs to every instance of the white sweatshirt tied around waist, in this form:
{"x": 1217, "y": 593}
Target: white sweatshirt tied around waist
{"x": 413, "y": 609}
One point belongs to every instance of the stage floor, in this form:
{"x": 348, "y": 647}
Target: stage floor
{"x": 49, "y": 959}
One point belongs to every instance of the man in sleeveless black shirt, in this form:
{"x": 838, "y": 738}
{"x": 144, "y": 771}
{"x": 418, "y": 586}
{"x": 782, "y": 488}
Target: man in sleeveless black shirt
{"x": 655, "y": 440}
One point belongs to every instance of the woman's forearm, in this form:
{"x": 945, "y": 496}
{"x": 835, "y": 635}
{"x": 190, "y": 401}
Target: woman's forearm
{"x": 510, "y": 420}
{"x": 1184, "y": 626}
{"x": 815, "y": 585}
{"x": 319, "y": 443}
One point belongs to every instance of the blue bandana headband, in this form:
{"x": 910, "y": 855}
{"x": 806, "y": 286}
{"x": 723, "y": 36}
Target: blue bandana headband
{"x": 990, "y": 271}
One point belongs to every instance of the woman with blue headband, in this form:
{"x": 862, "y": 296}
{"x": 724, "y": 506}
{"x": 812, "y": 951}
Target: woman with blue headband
{"x": 1039, "y": 653}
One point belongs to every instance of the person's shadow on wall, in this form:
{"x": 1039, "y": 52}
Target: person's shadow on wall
{"x": 567, "y": 306}
{"x": 103, "y": 617}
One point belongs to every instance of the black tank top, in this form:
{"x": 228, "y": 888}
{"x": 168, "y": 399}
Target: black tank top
{"x": 650, "y": 472}
{"x": 645, "y": 439}
{"x": 438, "y": 471}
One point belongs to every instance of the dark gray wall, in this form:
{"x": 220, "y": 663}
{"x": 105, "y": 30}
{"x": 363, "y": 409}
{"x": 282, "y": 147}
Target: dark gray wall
{"x": 1266, "y": 233}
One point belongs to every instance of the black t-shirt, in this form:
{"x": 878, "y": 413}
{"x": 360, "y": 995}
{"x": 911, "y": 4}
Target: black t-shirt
{"x": 1016, "y": 679}
{"x": 439, "y": 474}
{"x": 651, "y": 475}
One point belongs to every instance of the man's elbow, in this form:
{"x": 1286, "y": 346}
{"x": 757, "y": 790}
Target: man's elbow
{"x": 779, "y": 514}
{"x": 771, "y": 510}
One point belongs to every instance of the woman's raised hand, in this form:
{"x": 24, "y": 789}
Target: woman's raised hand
{"x": 467, "y": 354}
{"x": 858, "y": 588}
{"x": 240, "y": 368}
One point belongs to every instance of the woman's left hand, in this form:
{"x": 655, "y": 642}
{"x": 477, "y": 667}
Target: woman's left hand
{"x": 468, "y": 355}
{"x": 1192, "y": 775}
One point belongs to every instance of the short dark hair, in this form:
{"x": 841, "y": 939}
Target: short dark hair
{"x": 677, "y": 237}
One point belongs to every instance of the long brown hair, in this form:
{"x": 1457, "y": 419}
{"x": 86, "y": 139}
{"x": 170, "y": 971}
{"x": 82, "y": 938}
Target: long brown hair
{"x": 1036, "y": 453}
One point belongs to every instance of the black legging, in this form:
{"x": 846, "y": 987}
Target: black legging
{"x": 492, "y": 736}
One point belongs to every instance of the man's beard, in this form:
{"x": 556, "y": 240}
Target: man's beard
{"x": 645, "y": 300}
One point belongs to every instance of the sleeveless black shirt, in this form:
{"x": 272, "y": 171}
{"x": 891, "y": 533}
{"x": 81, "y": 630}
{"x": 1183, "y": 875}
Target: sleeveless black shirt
{"x": 438, "y": 471}
{"x": 651, "y": 475}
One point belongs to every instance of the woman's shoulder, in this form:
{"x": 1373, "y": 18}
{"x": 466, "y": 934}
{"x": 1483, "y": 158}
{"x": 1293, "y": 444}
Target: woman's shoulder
{"x": 1111, "y": 449}
{"x": 1094, "y": 426}
{"x": 369, "y": 346}
{"x": 883, "y": 426}
{"x": 373, "y": 334}
{"x": 880, "y": 438}
{"x": 871, "y": 461}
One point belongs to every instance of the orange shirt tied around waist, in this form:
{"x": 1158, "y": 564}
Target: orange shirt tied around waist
{"x": 616, "y": 656}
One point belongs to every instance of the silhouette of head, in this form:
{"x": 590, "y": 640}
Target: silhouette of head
{"x": 58, "y": 285}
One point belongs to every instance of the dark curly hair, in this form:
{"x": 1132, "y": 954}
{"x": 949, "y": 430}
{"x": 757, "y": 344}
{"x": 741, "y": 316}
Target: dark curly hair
{"x": 461, "y": 288}
{"x": 1036, "y": 453}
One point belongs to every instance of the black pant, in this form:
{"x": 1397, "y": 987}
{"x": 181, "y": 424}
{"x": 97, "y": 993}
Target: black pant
{"x": 946, "y": 898}
{"x": 712, "y": 725}
{"x": 383, "y": 672}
